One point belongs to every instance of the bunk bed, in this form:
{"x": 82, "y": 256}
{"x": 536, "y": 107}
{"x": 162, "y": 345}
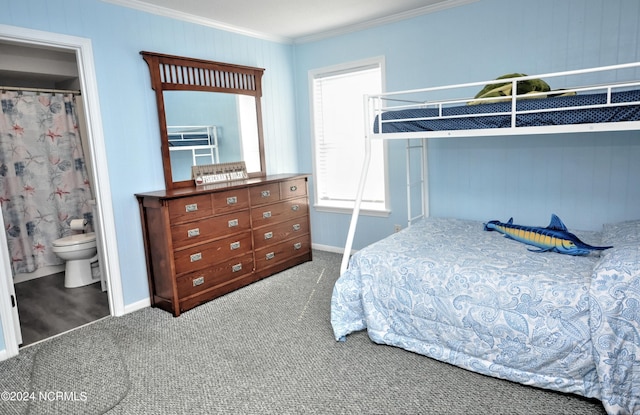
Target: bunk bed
{"x": 447, "y": 289}
{"x": 201, "y": 141}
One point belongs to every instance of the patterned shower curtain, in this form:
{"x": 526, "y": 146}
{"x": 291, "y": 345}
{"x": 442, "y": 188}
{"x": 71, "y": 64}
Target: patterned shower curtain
{"x": 44, "y": 182}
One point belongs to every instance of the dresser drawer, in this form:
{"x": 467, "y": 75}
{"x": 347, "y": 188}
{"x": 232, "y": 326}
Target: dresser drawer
{"x": 278, "y": 212}
{"x": 283, "y": 251}
{"x": 230, "y": 201}
{"x": 207, "y": 254}
{"x": 210, "y": 228}
{"x": 293, "y": 188}
{"x": 273, "y": 234}
{"x": 202, "y": 280}
{"x": 190, "y": 208}
{"x": 267, "y": 193}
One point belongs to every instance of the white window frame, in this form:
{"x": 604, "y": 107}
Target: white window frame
{"x": 365, "y": 209}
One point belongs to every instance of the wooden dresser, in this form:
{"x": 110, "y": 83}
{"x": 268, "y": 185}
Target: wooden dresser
{"x": 203, "y": 242}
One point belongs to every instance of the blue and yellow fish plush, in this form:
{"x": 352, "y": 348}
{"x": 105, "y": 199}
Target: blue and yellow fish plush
{"x": 555, "y": 237}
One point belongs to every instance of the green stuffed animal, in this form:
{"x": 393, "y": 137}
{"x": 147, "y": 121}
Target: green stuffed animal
{"x": 504, "y": 89}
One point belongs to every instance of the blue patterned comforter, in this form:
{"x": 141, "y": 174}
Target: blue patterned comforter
{"x": 447, "y": 289}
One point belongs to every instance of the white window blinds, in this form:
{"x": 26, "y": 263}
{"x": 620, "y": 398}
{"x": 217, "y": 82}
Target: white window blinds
{"x": 339, "y": 131}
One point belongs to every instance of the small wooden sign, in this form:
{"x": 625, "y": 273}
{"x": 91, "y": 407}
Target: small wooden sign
{"x": 220, "y": 172}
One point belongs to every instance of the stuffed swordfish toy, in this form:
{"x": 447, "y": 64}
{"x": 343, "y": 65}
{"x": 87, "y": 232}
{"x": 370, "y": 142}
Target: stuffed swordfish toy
{"x": 554, "y": 238}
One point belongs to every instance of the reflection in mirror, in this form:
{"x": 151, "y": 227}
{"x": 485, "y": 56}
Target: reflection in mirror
{"x": 209, "y": 112}
{"x": 209, "y": 128}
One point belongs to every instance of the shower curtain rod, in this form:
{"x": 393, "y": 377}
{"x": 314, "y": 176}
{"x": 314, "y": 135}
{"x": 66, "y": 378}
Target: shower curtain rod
{"x": 47, "y": 90}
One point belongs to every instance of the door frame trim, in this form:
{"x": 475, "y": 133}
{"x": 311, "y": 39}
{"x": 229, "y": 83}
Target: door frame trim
{"x": 97, "y": 151}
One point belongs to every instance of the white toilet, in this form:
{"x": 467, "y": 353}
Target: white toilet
{"x": 79, "y": 251}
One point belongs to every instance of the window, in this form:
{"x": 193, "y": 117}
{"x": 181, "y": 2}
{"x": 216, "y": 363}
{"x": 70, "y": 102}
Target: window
{"x": 338, "y": 134}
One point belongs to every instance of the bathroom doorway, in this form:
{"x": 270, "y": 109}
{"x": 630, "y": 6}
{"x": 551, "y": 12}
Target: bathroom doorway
{"x": 60, "y": 53}
{"x": 43, "y": 153}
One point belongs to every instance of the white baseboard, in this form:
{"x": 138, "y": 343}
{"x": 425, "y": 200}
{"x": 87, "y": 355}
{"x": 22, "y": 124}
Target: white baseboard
{"x": 39, "y": 273}
{"x": 329, "y": 248}
{"x": 138, "y": 305}
{"x": 4, "y": 355}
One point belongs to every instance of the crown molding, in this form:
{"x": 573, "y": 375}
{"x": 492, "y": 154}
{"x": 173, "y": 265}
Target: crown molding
{"x": 192, "y": 18}
{"x": 174, "y": 14}
{"x": 447, "y": 4}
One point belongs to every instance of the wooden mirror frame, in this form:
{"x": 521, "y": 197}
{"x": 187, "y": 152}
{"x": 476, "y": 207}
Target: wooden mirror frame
{"x": 177, "y": 73}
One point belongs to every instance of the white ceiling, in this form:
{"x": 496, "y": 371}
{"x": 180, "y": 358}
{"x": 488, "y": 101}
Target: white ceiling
{"x": 290, "y": 20}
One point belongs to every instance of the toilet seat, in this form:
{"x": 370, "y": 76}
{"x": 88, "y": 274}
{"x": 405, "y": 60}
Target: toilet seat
{"x": 81, "y": 240}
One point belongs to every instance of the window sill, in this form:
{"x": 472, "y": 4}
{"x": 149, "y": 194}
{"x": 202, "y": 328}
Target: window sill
{"x": 349, "y": 210}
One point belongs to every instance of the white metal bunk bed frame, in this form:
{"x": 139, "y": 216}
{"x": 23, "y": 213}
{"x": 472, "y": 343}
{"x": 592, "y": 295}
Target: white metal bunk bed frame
{"x": 184, "y": 131}
{"x": 374, "y": 107}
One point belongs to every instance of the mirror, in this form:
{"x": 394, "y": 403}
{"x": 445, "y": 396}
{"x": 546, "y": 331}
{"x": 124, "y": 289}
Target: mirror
{"x": 209, "y": 113}
{"x": 210, "y": 128}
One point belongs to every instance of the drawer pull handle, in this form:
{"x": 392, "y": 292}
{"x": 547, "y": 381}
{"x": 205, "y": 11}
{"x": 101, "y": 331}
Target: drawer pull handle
{"x": 270, "y": 255}
{"x": 233, "y": 223}
{"x": 266, "y": 215}
{"x": 191, "y": 208}
{"x": 268, "y": 235}
{"x": 193, "y": 232}
{"x": 295, "y": 208}
{"x": 236, "y": 268}
{"x": 293, "y": 188}
{"x": 297, "y": 245}
{"x": 232, "y": 200}
{"x": 265, "y": 193}
{"x": 196, "y": 257}
{"x": 198, "y": 281}
{"x": 234, "y": 245}
{"x": 296, "y": 227}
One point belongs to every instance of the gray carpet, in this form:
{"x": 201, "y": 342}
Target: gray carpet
{"x": 265, "y": 349}
{"x": 92, "y": 378}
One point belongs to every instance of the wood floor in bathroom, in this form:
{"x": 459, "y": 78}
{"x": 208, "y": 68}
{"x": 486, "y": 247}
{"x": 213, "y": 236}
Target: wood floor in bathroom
{"x": 47, "y": 308}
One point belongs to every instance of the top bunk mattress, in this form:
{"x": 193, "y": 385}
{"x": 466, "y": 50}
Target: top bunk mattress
{"x": 192, "y": 139}
{"x": 560, "y": 110}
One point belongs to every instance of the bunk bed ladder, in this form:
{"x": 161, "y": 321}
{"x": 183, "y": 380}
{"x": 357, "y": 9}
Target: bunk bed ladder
{"x": 208, "y": 152}
{"x": 418, "y": 184}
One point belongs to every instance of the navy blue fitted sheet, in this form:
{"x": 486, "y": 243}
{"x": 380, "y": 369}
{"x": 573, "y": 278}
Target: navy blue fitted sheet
{"x": 560, "y": 117}
{"x": 176, "y": 140}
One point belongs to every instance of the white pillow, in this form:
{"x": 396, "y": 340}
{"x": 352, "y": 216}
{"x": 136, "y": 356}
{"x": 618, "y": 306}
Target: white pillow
{"x": 621, "y": 233}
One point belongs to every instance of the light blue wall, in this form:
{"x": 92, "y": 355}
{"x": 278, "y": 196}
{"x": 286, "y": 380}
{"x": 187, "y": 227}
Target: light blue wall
{"x": 127, "y": 102}
{"x": 587, "y": 179}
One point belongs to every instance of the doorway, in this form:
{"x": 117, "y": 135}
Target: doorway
{"x": 80, "y": 49}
